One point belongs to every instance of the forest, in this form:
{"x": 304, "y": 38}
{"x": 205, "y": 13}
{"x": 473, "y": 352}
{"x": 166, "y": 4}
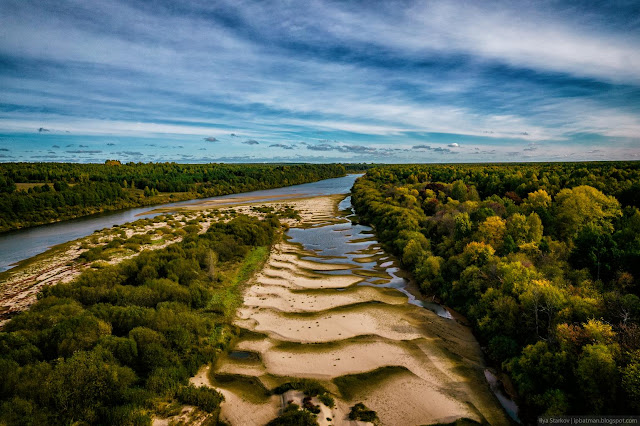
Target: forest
{"x": 118, "y": 344}
{"x": 542, "y": 259}
{"x": 38, "y": 193}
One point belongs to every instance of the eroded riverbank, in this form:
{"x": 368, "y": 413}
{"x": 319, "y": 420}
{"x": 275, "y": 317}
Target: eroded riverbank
{"x": 329, "y": 306}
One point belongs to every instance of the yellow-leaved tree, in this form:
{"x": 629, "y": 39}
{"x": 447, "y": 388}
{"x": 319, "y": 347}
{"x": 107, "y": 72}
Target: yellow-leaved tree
{"x": 584, "y": 205}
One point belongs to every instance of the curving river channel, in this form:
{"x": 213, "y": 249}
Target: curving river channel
{"x": 22, "y": 244}
{"x": 331, "y": 305}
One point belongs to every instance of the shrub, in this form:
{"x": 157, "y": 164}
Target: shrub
{"x": 362, "y": 413}
{"x": 202, "y": 397}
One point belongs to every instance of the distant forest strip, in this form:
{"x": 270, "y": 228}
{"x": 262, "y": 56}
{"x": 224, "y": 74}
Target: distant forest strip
{"x": 37, "y": 193}
{"x": 543, "y": 259}
{"x": 118, "y": 345}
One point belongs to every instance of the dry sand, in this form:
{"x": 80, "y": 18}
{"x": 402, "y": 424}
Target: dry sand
{"x": 20, "y": 285}
{"x": 322, "y": 326}
{"x": 325, "y": 327}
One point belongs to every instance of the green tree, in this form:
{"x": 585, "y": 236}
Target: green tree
{"x": 585, "y": 205}
{"x": 459, "y": 191}
{"x": 596, "y": 250}
{"x": 538, "y": 370}
{"x": 631, "y": 380}
{"x": 463, "y": 226}
{"x": 597, "y": 376}
{"x": 535, "y": 228}
{"x": 517, "y": 228}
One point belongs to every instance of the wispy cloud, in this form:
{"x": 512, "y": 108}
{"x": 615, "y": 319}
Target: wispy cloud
{"x": 493, "y": 76}
{"x": 84, "y": 151}
{"x": 280, "y": 145}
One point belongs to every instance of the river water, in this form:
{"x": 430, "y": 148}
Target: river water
{"x": 22, "y": 244}
{"x": 357, "y": 245}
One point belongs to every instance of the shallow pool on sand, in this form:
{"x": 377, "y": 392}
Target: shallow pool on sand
{"x": 331, "y": 305}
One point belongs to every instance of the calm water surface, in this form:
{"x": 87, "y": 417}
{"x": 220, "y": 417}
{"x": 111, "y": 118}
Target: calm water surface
{"x": 16, "y": 246}
{"x": 356, "y": 247}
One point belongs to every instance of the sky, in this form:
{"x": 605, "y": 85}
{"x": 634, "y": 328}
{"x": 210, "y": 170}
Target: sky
{"x": 319, "y": 81}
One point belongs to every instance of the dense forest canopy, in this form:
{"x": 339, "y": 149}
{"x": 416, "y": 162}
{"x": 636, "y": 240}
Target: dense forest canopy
{"x": 543, "y": 259}
{"x": 119, "y": 344}
{"x": 37, "y": 193}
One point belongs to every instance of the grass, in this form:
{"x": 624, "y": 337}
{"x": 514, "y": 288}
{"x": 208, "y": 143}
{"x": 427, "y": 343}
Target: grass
{"x": 341, "y": 309}
{"x": 372, "y": 273}
{"x": 249, "y": 387}
{"x": 352, "y": 385}
{"x": 298, "y": 347}
{"x": 227, "y": 299}
{"x": 25, "y": 186}
{"x": 246, "y": 334}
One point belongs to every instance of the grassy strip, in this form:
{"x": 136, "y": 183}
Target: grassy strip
{"x": 352, "y": 385}
{"x": 226, "y": 302}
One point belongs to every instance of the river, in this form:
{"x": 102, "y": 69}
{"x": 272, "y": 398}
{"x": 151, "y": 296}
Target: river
{"x": 357, "y": 280}
{"x": 22, "y": 244}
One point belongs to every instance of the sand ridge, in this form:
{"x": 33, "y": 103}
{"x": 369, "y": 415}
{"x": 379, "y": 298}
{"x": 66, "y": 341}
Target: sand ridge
{"x": 320, "y": 313}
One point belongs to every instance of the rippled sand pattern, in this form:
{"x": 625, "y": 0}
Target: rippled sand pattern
{"x": 329, "y": 305}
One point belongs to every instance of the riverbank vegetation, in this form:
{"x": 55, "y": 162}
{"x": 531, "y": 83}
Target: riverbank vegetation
{"x": 543, "y": 259}
{"x": 118, "y": 344}
{"x": 38, "y": 193}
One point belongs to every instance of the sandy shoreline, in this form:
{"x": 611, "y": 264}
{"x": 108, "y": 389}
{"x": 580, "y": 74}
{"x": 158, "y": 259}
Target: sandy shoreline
{"x": 20, "y": 285}
{"x": 313, "y": 316}
{"x": 314, "y": 320}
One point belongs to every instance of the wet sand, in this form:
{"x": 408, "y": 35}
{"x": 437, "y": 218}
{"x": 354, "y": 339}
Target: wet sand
{"x": 325, "y": 308}
{"x": 331, "y": 308}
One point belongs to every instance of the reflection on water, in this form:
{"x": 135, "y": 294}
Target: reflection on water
{"x": 25, "y": 243}
{"x": 244, "y": 355}
{"x": 355, "y": 246}
{"x": 507, "y": 403}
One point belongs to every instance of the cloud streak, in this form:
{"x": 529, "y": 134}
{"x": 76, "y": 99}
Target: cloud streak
{"x": 460, "y": 75}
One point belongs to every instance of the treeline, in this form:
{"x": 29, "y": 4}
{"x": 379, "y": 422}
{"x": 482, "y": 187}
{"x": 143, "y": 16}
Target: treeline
{"x": 61, "y": 191}
{"x": 543, "y": 259}
{"x": 119, "y": 344}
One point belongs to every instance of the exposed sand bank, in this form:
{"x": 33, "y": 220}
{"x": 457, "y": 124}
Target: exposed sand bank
{"x": 20, "y": 285}
{"x": 320, "y": 316}
{"x": 327, "y": 320}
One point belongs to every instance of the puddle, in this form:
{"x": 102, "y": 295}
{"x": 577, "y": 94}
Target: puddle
{"x": 345, "y": 243}
{"x": 244, "y": 356}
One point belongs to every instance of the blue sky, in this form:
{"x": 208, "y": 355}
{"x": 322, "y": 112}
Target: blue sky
{"x": 319, "y": 81}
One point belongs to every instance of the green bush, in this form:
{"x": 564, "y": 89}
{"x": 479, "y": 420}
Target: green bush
{"x": 202, "y": 397}
{"x": 362, "y": 413}
{"x": 293, "y": 416}
{"x": 309, "y": 387}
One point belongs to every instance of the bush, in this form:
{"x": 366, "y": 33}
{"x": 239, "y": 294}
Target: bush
{"x": 293, "y": 416}
{"x": 203, "y": 397}
{"x": 307, "y": 386}
{"x": 362, "y": 413}
{"x": 327, "y": 400}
